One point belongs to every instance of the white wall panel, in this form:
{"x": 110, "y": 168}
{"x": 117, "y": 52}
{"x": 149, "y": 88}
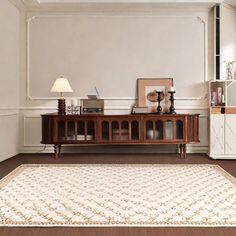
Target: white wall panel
{"x": 112, "y": 51}
{"x": 9, "y": 136}
{"x": 32, "y": 131}
{"x": 9, "y": 79}
{"x": 9, "y": 51}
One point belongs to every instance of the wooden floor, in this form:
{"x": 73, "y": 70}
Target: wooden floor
{"x": 10, "y": 164}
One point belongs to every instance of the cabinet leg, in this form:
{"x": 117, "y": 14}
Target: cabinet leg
{"x": 180, "y": 150}
{"x": 59, "y": 150}
{"x": 184, "y": 150}
{"x": 56, "y": 151}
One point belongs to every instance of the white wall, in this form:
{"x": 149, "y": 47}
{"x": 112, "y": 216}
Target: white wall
{"x": 112, "y": 50}
{"x": 9, "y": 79}
{"x": 185, "y": 31}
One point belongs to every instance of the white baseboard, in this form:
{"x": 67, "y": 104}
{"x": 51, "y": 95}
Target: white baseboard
{"x": 191, "y": 148}
{"x": 223, "y": 156}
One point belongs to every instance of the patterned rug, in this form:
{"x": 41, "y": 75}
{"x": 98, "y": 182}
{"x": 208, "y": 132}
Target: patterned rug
{"x": 118, "y": 195}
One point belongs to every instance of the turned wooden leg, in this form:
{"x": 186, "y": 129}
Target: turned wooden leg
{"x": 184, "y": 150}
{"x": 59, "y": 150}
{"x": 180, "y": 150}
{"x": 56, "y": 149}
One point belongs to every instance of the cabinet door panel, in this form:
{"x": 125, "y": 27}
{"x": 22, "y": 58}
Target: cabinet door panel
{"x": 119, "y": 129}
{"x": 217, "y": 134}
{"x": 230, "y": 134}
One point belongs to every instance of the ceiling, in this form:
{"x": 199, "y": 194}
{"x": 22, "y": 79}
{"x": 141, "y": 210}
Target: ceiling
{"x": 122, "y": 1}
{"x": 58, "y": 4}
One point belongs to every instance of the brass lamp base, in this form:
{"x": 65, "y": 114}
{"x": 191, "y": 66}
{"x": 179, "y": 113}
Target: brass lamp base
{"x": 61, "y": 106}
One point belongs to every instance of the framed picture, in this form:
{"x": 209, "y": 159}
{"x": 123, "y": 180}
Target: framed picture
{"x": 147, "y": 95}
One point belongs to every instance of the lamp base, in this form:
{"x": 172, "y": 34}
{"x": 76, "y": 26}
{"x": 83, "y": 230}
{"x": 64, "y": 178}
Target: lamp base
{"x": 61, "y": 106}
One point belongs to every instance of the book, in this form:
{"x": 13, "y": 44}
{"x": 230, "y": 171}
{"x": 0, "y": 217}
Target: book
{"x": 213, "y": 98}
{"x": 219, "y": 95}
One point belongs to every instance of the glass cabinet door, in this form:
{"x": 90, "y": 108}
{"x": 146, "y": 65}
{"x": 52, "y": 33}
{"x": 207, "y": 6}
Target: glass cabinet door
{"x": 160, "y": 129}
{"x": 154, "y": 130}
{"x": 124, "y": 133}
{"x": 134, "y": 130}
{"x": 179, "y": 129}
{"x": 149, "y": 130}
{"x": 72, "y": 130}
{"x": 121, "y": 129}
{"x": 169, "y": 129}
{"x": 90, "y": 130}
{"x": 115, "y": 130}
{"x": 80, "y": 130}
{"x": 61, "y": 130}
{"x": 85, "y": 130}
{"x": 105, "y": 130}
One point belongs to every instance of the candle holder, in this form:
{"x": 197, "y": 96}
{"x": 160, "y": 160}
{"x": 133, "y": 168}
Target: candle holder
{"x": 172, "y": 108}
{"x": 159, "y": 99}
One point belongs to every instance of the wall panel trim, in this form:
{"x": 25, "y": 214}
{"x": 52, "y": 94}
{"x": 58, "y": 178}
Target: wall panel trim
{"x": 9, "y": 114}
{"x": 30, "y": 18}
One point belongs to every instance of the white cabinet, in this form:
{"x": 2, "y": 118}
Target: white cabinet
{"x": 230, "y": 134}
{"x": 222, "y": 119}
{"x": 223, "y": 136}
{"x": 217, "y": 134}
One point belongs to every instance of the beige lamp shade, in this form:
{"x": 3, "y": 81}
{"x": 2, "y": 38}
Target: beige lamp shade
{"x": 61, "y": 85}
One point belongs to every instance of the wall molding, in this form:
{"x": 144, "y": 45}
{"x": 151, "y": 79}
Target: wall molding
{"x": 8, "y": 108}
{"x": 25, "y": 144}
{"x": 9, "y": 111}
{"x": 205, "y": 25}
{"x": 202, "y": 97}
{"x": 30, "y": 18}
{"x": 9, "y": 114}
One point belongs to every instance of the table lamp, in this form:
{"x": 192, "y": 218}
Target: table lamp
{"x": 61, "y": 85}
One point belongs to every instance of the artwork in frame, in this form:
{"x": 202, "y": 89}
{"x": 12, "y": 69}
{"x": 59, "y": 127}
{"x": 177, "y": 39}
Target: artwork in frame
{"x": 147, "y": 95}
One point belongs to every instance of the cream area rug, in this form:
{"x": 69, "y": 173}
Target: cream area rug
{"x": 118, "y": 195}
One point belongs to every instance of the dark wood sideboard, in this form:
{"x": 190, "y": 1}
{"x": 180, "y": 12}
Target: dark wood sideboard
{"x": 144, "y": 129}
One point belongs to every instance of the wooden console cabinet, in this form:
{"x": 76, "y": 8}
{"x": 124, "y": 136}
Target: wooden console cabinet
{"x": 120, "y": 129}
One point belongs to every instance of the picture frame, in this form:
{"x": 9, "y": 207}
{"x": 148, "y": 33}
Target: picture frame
{"x": 150, "y": 85}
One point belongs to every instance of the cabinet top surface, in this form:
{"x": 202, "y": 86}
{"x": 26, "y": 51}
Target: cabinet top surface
{"x": 120, "y": 115}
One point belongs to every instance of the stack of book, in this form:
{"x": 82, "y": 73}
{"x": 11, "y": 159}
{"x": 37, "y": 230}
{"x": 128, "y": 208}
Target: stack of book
{"x": 81, "y": 137}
